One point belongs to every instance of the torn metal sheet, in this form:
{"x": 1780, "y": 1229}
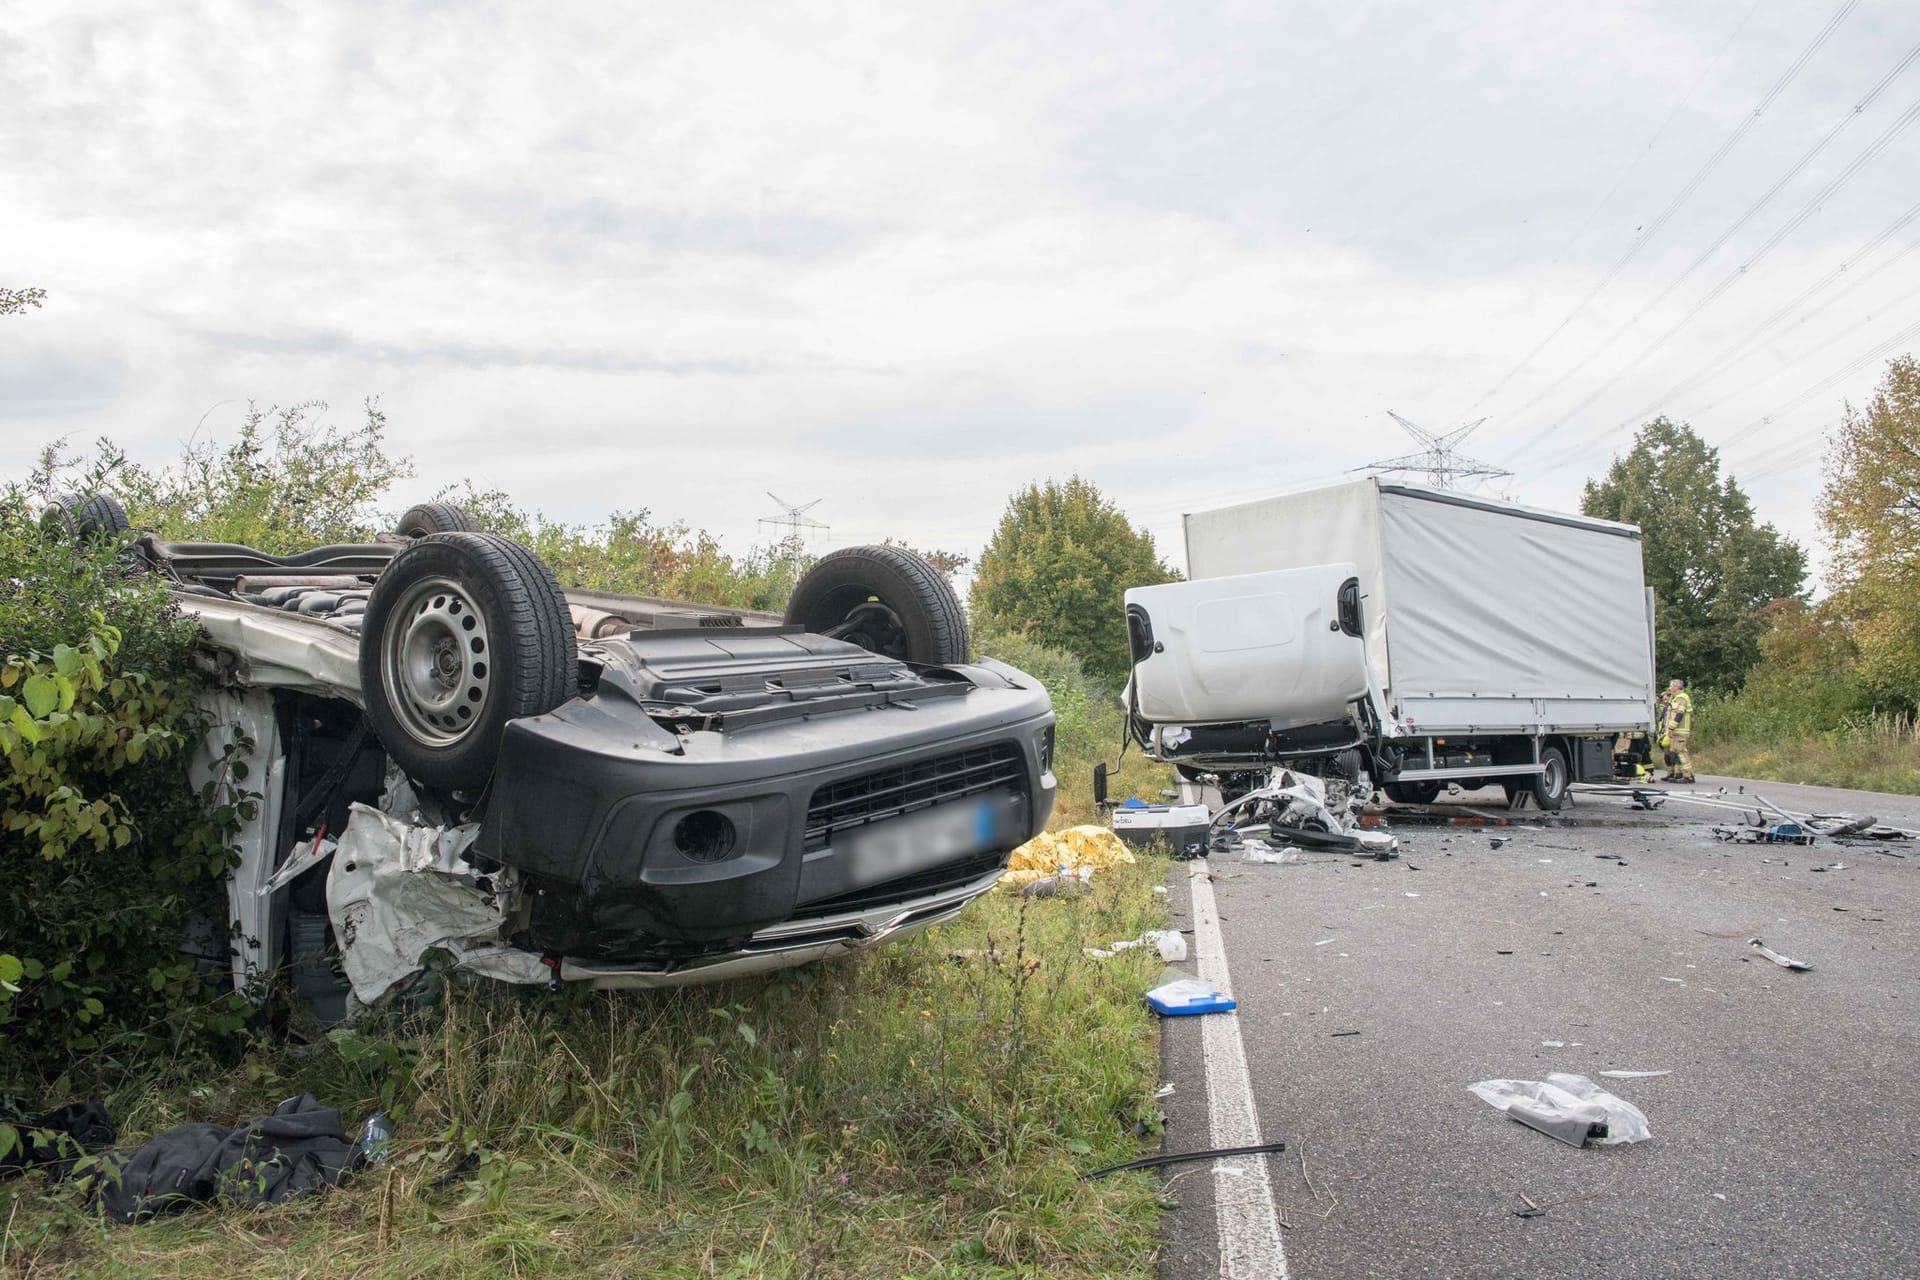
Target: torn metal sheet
{"x": 398, "y": 891}
{"x": 1303, "y": 809}
{"x": 273, "y": 649}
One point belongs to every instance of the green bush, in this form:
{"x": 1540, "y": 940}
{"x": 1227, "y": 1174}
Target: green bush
{"x": 1058, "y": 567}
{"x": 632, "y": 554}
{"x": 1088, "y": 728}
{"x": 106, "y": 850}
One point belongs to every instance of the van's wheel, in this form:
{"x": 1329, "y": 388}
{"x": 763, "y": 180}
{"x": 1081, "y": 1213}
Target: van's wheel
{"x": 83, "y": 517}
{"x": 429, "y": 518}
{"x": 1413, "y": 792}
{"x": 462, "y": 633}
{"x": 1550, "y": 786}
{"x": 886, "y": 599}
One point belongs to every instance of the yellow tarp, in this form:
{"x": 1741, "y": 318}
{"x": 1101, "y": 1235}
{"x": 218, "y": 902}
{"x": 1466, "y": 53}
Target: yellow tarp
{"x": 1074, "y": 848}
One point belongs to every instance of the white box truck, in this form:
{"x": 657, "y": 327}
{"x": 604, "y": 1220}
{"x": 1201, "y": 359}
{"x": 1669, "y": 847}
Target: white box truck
{"x": 1414, "y": 636}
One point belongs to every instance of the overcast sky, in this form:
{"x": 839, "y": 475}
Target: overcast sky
{"x": 907, "y": 258}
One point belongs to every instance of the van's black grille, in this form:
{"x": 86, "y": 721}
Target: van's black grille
{"x": 888, "y": 793}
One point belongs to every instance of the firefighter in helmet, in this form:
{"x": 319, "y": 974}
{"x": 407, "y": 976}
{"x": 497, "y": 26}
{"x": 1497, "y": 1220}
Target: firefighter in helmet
{"x": 1676, "y": 726}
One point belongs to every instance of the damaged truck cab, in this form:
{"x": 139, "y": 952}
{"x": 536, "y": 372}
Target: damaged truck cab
{"x": 1395, "y": 635}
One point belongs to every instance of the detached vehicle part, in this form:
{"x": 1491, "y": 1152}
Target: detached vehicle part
{"x": 456, "y": 758}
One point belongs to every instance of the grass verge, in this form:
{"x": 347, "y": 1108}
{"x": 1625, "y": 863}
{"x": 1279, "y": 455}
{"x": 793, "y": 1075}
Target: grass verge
{"x": 921, "y": 1110}
{"x": 924, "y": 1110}
{"x": 1826, "y": 760}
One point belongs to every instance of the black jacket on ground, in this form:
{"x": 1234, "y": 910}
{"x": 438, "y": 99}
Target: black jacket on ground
{"x": 298, "y": 1148}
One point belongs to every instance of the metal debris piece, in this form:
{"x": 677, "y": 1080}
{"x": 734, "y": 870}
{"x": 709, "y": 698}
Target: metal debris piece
{"x": 1154, "y": 1162}
{"x": 1785, "y": 962}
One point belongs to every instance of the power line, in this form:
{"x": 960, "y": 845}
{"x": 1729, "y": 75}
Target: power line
{"x": 1700, "y": 176}
{"x": 1742, "y": 346}
{"x": 1792, "y": 224}
{"x": 1619, "y": 182}
{"x": 1753, "y": 211}
{"x": 1782, "y": 457}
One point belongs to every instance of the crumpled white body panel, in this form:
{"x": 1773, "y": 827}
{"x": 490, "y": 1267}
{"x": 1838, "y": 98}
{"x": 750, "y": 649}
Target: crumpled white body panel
{"x": 398, "y": 890}
{"x": 280, "y": 650}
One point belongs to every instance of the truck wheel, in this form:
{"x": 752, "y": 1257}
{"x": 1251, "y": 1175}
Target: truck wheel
{"x": 886, "y": 599}
{"x": 84, "y": 517}
{"x": 436, "y": 517}
{"x": 1550, "y": 786}
{"x": 1413, "y": 792}
{"x": 462, "y": 633}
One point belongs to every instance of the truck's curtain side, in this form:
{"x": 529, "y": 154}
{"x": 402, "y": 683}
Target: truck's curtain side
{"x": 1324, "y": 526}
{"x": 1489, "y": 602}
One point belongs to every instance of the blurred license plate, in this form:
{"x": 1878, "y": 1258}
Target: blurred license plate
{"x": 919, "y": 841}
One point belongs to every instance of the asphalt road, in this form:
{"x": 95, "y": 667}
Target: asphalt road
{"x": 1786, "y": 1140}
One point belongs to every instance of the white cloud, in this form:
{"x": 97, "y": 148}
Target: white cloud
{"x": 907, "y": 259}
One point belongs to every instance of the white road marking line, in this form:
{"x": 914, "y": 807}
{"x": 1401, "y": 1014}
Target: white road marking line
{"x": 1249, "y": 1225}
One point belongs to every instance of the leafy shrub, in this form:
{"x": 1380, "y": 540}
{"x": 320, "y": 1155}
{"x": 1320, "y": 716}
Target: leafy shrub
{"x": 1088, "y": 726}
{"x": 1058, "y": 568}
{"x": 106, "y": 850}
{"x": 289, "y": 480}
{"x": 630, "y": 554}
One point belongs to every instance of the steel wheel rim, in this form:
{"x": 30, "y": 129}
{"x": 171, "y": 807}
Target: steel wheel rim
{"x": 436, "y": 662}
{"x": 1555, "y": 777}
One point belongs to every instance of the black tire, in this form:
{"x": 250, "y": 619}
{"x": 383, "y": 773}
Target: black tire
{"x": 1550, "y": 787}
{"x": 886, "y": 599}
{"x": 430, "y": 518}
{"x": 85, "y": 516}
{"x": 1413, "y": 792}
{"x": 462, "y": 633}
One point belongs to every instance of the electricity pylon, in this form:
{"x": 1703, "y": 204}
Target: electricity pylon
{"x": 1440, "y": 460}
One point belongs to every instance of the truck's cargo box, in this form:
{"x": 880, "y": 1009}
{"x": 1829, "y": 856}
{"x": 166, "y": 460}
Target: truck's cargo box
{"x": 1480, "y": 615}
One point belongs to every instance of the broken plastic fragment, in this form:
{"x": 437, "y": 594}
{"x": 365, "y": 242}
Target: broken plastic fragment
{"x": 1261, "y": 851}
{"x": 1173, "y": 947}
{"x": 1186, "y": 996}
{"x": 1634, "y": 1075}
{"x": 1785, "y": 962}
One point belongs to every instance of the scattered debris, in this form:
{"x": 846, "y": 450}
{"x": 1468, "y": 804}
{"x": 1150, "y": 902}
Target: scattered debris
{"x": 1183, "y": 828}
{"x": 1259, "y": 850}
{"x": 1309, "y": 810}
{"x": 1338, "y": 1034}
{"x": 1785, "y": 962}
{"x": 1635, "y": 1075}
{"x": 1570, "y": 1108}
{"x": 1165, "y": 1090}
{"x": 1184, "y": 1157}
{"x": 1497, "y": 841}
{"x": 1173, "y": 947}
{"x": 1184, "y": 997}
{"x": 1776, "y": 833}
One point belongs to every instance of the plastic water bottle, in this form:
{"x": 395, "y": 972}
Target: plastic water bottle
{"x": 375, "y": 1137}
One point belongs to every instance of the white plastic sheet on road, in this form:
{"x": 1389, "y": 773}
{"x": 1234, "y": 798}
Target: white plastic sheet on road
{"x": 1565, "y": 1104}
